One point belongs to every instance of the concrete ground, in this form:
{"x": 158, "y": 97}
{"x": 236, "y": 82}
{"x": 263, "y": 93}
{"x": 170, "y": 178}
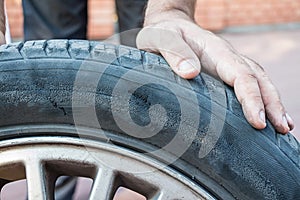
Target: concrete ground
{"x": 278, "y": 52}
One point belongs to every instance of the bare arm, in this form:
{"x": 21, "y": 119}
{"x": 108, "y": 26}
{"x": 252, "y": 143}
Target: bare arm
{"x": 170, "y": 30}
{"x": 2, "y": 22}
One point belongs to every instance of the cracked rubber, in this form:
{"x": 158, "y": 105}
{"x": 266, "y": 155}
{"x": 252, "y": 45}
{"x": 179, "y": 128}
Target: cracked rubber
{"x": 36, "y": 86}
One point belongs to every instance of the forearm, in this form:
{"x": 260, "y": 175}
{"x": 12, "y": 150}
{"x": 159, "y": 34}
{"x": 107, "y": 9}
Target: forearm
{"x": 157, "y": 9}
{"x": 2, "y": 17}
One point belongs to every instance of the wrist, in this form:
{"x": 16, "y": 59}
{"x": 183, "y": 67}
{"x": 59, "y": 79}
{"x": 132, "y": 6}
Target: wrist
{"x": 152, "y": 18}
{"x": 162, "y": 10}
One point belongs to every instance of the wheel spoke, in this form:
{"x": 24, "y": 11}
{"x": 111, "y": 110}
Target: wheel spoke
{"x": 43, "y": 159}
{"x": 37, "y": 182}
{"x": 103, "y": 187}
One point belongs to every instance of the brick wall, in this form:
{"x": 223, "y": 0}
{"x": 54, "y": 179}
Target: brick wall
{"x": 218, "y": 14}
{"x": 210, "y": 14}
{"x": 15, "y": 16}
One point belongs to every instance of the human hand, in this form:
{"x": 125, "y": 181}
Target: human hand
{"x": 189, "y": 49}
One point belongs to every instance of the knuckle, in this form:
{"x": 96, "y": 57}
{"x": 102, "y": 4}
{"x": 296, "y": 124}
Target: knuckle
{"x": 257, "y": 68}
{"x": 264, "y": 76}
{"x": 276, "y": 123}
{"x": 251, "y": 76}
{"x": 247, "y": 77}
{"x": 274, "y": 103}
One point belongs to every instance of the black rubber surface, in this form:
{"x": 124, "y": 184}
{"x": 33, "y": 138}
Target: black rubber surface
{"x": 36, "y": 87}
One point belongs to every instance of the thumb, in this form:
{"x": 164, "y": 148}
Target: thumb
{"x": 171, "y": 45}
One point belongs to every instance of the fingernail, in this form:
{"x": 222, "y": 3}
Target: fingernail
{"x": 262, "y": 116}
{"x": 289, "y": 119}
{"x": 187, "y": 66}
{"x": 285, "y": 123}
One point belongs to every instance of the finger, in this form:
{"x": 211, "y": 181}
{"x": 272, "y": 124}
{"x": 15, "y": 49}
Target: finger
{"x": 219, "y": 58}
{"x": 233, "y": 70}
{"x": 274, "y": 108}
{"x": 290, "y": 121}
{"x": 173, "y": 48}
{"x": 249, "y": 95}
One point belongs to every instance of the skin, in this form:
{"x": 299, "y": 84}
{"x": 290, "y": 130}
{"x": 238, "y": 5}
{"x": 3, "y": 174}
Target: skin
{"x": 169, "y": 29}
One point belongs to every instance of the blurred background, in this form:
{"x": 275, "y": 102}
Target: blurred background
{"x": 215, "y": 15}
{"x": 267, "y": 31}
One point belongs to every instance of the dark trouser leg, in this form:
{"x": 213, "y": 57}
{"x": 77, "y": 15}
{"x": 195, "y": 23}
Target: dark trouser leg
{"x": 131, "y": 16}
{"x": 46, "y": 19}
